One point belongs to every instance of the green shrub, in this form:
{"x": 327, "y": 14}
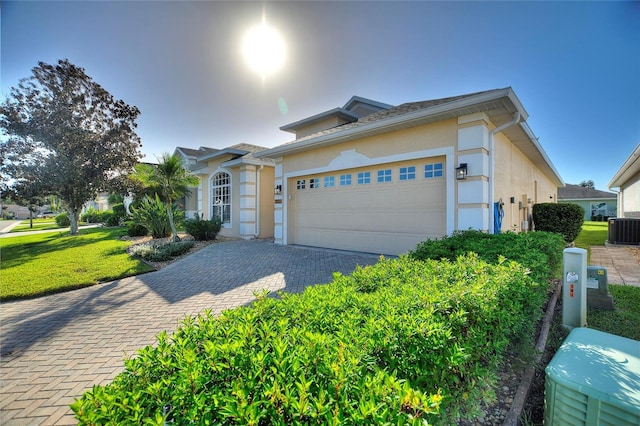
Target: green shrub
{"x": 540, "y": 252}
{"x": 565, "y": 219}
{"x": 119, "y": 210}
{"x": 136, "y": 230}
{"x": 113, "y": 220}
{"x": 62, "y": 220}
{"x": 161, "y": 252}
{"x": 152, "y": 213}
{"x": 96, "y": 216}
{"x": 418, "y": 343}
{"x": 203, "y": 230}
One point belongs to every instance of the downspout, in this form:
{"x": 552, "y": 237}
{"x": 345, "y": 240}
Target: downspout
{"x": 492, "y": 133}
{"x": 258, "y": 189}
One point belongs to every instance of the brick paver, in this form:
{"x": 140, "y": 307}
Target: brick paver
{"x": 622, "y": 266}
{"x": 55, "y": 347}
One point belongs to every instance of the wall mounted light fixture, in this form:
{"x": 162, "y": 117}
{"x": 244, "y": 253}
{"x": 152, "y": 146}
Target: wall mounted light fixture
{"x": 461, "y": 171}
{"x": 277, "y": 190}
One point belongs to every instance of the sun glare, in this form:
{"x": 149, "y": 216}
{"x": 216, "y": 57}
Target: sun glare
{"x": 263, "y": 49}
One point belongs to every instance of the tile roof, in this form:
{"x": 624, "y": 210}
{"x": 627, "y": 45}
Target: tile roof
{"x": 577, "y": 192}
{"x": 196, "y": 152}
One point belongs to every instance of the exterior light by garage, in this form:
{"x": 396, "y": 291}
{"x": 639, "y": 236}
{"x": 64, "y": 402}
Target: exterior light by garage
{"x": 461, "y": 171}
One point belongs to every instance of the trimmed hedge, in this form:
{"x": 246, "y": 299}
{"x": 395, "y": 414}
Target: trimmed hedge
{"x": 541, "y": 252}
{"x": 565, "y": 219}
{"x": 400, "y": 342}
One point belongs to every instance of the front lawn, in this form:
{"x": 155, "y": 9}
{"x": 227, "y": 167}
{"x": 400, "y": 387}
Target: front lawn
{"x": 592, "y": 234}
{"x": 35, "y": 265}
{"x": 625, "y": 319}
{"x": 38, "y": 225}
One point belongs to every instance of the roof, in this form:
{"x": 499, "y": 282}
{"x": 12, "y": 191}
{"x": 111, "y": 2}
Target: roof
{"x": 355, "y": 108}
{"x": 190, "y": 152}
{"x": 628, "y": 170}
{"x": 500, "y": 105}
{"x": 577, "y": 192}
{"x": 242, "y": 152}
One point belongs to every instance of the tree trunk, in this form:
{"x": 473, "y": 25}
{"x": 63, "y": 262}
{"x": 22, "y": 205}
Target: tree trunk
{"x": 174, "y": 231}
{"x": 30, "y": 219}
{"x": 74, "y": 216}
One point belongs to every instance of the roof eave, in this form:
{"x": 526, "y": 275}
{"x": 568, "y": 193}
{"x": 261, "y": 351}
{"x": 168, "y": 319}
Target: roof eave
{"x": 339, "y": 112}
{"x": 622, "y": 174}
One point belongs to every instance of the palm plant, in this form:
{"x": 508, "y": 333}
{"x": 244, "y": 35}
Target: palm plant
{"x": 171, "y": 180}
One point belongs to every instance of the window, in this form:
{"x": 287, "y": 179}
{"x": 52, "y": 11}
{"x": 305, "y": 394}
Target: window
{"x": 329, "y": 181}
{"x": 345, "y": 180}
{"x": 221, "y": 191}
{"x": 364, "y": 177}
{"x": 433, "y": 170}
{"x": 384, "y": 175}
{"x": 300, "y": 184}
{"x": 314, "y": 183}
{"x": 407, "y": 173}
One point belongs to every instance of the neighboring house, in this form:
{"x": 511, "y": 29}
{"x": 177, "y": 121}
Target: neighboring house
{"x": 627, "y": 179}
{"x": 379, "y": 178}
{"x": 598, "y": 205}
{"x": 234, "y": 186}
{"x": 101, "y": 203}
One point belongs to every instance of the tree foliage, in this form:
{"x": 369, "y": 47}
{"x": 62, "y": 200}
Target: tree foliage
{"x": 170, "y": 179}
{"x": 587, "y": 184}
{"x": 65, "y": 135}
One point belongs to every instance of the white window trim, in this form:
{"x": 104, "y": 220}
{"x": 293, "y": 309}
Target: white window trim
{"x": 215, "y": 172}
{"x": 447, "y": 152}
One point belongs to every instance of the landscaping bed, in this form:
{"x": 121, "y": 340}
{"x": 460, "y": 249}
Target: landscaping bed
{"x": 157, "y": 265}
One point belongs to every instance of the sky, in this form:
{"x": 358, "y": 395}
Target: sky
{"x": 575, "y": 66}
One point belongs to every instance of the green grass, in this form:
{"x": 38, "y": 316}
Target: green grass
{"x": 592, "y": 234}
{"x": 35, "y": 265}
{"x": 625, "y": 319}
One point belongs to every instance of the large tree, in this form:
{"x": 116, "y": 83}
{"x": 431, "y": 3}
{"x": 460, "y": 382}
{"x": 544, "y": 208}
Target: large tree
{"x": 64, "y": 128}
{"x": 170, "y": 179}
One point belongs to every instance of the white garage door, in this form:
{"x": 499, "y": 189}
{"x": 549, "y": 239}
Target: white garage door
{"x": 387, "y": 211}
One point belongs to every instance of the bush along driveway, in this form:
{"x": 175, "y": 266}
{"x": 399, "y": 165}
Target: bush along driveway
{"x": 56, "y": 347}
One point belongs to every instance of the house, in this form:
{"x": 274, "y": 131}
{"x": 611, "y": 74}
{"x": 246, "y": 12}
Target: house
{"x": 627, "y": 179}
{"x": 234, "y": 186}
{"x": 598, "y": 205}
{"x": 379, "y": 178}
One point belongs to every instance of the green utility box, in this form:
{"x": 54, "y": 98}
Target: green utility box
{"x": 593, "y": 379}
{"x": 598, "y": 295}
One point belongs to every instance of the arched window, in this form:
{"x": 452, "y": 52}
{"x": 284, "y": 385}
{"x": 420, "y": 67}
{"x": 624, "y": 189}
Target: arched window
{"x": 221, "y": 196}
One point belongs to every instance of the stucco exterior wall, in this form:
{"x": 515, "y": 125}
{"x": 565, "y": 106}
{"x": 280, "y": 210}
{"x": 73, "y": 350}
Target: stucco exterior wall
{"x": 265, "y": 227}
{"x": 435, "y": 135}
{"x": 630, "y": 198}
{"x": 319, "y": 126}
{"x": 251, "y": 197}
{"x": 517, "y": 179}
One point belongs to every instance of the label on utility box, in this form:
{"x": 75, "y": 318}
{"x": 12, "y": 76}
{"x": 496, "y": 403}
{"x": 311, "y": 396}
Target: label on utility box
{"x": 572, "y": 277}
{"x": 592, "y": 283}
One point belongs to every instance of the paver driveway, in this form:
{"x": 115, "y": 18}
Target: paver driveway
{"x": 56, "y": 347}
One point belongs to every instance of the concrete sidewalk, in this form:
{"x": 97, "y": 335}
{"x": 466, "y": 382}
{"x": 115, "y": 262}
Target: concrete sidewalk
{"x": 623, "y": 267}
{"x": 6, "y": 233}
{"x": 56, "y": 347}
